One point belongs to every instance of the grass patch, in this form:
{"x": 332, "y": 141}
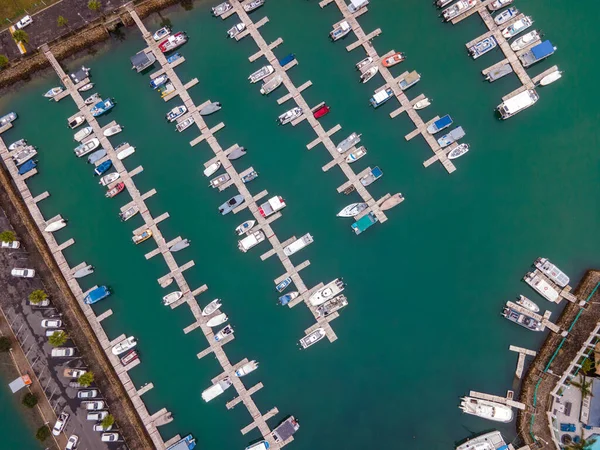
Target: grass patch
{"x": 15, "y": 9}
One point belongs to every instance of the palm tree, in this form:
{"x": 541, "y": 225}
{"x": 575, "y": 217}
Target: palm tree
{"x": 8, "y": 235}
{"x": 584, "y": 387}
{"x": 583, "y": 444}
{"x": 37, "y": 296}
{"x": 21, "y": 36}
{"x": 587, "y": 366}
{"x": 86, "y": 379}
{"x": 57, "y": 338}
{"x": 94, "y": 5}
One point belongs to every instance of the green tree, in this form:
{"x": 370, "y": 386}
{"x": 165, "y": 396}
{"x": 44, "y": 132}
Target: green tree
{"x": 57, "y": 338}
{"x": 584, "y": 387}
{"x": 583, "y": 444}
{"x": 587, "y": 366}
{"x": 107, "y": 421}
{"x": 42, "y": 433}
{"x": 8, "y": 235}
{"x": 29, "y": 400}
{"x": 21, "y": 36}
{"x": 94, "y": 5}
{"x": 5, "y": 344}
{"x": 62, "y": 21}
{"x": 86, "y": 379}
{"x": 3, "y": 61}
{"x": 37, "y": 296}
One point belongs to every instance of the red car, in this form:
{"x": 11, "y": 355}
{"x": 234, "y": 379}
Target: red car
{"x": 321, "y": 111}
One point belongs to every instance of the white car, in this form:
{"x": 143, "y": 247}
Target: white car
{"x": 51, "y": 323}
{"x": 45, "y": 302}
{"x": 23, "y": 273}
{"x": 25, "y": 21}
{"x": 110, "y": 437}
{"x": 60, "y": 423}
{"x": 97, "y": 415}
{"x": 93, "y": 406}
{"x": 12, "y": 244}
{"x": 62, "y": 352}
{"x": 87, "y": 393}
{"x": 50, "y": 332}
{"x": 72, "y": 442}
{"x": 99, "y": 427}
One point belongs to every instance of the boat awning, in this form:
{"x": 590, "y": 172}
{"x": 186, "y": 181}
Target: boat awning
{"x": 79, "y": 75}
{"x": 542, "y": 50}
{"x": 518, "y": 102}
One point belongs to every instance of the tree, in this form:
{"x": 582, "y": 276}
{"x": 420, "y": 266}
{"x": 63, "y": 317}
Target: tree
{"x": 62, "y": 21}
{"x": 587, "y": 366}
{"x": 42, "y": 433}
{"x": 57, "y": 338}
{"x": 8, "y": 235}
{"x": 29, "y": 400}
{"x": 3, "y": 61}
{"x": 5, "y": 344}
{"x": 94, "y": 5}
{"x": 584, "y": 387}
{"x": 583, "y": 444}
{"x": 107, "y": 421}
{"x": 37, "y": 296}
{"x": 86, "y": 379}
{"x": 21, "y": 36}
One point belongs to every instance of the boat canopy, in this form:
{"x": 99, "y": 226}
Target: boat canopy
{"x": 357, "y": 4}
{"x": 519, "y": 102}
{"x": 142, "y": 60}
{"x": 79, "y": 75}
{"x": 542, "y": 50}
{"x": 381, "y": 96}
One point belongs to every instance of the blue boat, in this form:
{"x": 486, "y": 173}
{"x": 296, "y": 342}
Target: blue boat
{"x": 159, "y": 81}
{"x": 440, "y": 124}
{"x": 103, "y": 167}
{"x": 102, "y": 106}
{"x": 29, "y": 165}
{"x": 284, "y": 284}
{"x": 288, "y": 59}
{"x": 364, "y": 222}
{"x": 381, "y": 97}
{"x": 96, "y": 295}
{"x": 537, "y": 53}
{"x": 285, "y": 299}
{"x": 187, "y": 443}
{"x": 174, "y": 57}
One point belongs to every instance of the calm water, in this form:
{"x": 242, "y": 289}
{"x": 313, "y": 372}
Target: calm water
{"x": 425, "y": 289}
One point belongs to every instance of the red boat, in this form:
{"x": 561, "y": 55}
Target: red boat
{"x": 114, "y": 191}
{"x": 172, "y": 42}
{"x": 321, "y": 111}
{"x": 129, "y": 357}
{"x": 393, "y": 59}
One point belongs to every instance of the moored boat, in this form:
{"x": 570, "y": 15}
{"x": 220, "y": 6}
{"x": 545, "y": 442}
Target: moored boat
{"x": 440, "y": 124}
{"x": 371, "y": 177}
{"x": 394, "y": 59}
{"x": 92, "y": 99}
{"x": 312, "y": 338}
{"x": 212, "y": 168}
{"x": 527, "y": 303}
{"x": 129, "y": 213}
{"x": 160, "y": 80}
{"x": 211, "y": 307}
{"x": 172, "y": 297}
{"x": 271, "y": 206}
{"x": 261, "y": 445}
{"x": 285, "y": 430}
{"x": 543, "y": 288}
{"x": 486, "y": 409}
{"x": 73, "y": 123}
{"x": 27, "y": 167}
{"x": 115, "y": 129}
{"x": 216, "y": 389}
{"x": 236, "y": 29}
{"x": 290, "y": 115}
{"x": 83, "y": 133}
{"x": 527, "y": 39}
{"x": 218, "y": 181}
{"x": 379, "y": 98}
{"x": 251, "y": 240}
{"x": 176, "y": 113}
{"x": 185, "y": 124}
{"x": 249, "y": 177}
{"x": 129, "y": 357}
{"x": 271, "y": 85}
{"x": 517, "y": 27}
{"x": 97, "y": 294}
{"x": 394, "y": 200}
{"x": 506, "y": 15}
{"x": 86, "y": 87}
{"x": 283, "y": 285}
{"x": 356, "y": 154}
{"x": 458, "y": 8}
{"x": 223, "y": 333}
{"x": 298, "y": 244}
{"x": 286, "y": 298}
{"x": 173, "y": 42}
{"x": 174, "y": 57}
{"x": 253, "y": 5}
{"x": 217, "y": 320}
{"x": 482, "y": 47}
{"x": 96, "y": 156}
{"x": 327, "y": 292}
{"x": 287, "y": 59}
{"x": 55, "y": 226}
{"x": 210, "y": 108}
{"x": 340, "y": 30}
{"x": 331, "y": 306}
{"x": 161, "y": 33}
{"x": 15, "y": 145}
{"x": 363, "y": 62}
{"x": 409, "y": 80}
{"x": 184, "y": 243}
{"x": 8, "y": 118}
{"x": 247, "y": 368}
{"x": 522, "y": 319}
{"x": 442, "y": 3}
{"x": 551, "y": 271}
{"x": 51, "y": 93}
{"x": 499, "y": 4}
{"x": 102, "y": 107}
{"x": 517, "y": 103}
{"x": 261, "y": 73}
{"x": 348, "y": 143}
{"x": 141, "y": 237}
{"x": 537, "y": 53}
{"x": 498, "y": 72}
{"x": 321, "y": 111}
{"x": 24, "y": 154}
{"x": 364, "y": 222}
{"x": 551, "y": 78}
{"x": 86, "y": 147}
{"x": 127, "y": 151}
{"x": 230, "y": 204}
{"x": 245, "y": 227}
{"x": 221, "y": 9}
{"x": 452, "y": 136}
{"x": 84, "y": 271}
{"x": 103, "y": 167}
{"x": 110, "y": 178}
{"x": 353, "y": 209}
{"x": 421, "y": 104}
{"x": 488, "y": 441}
{"x": 115, "y": 190}
{"x": 236, "y": 153}
{"x": 124, "y": 346}
{"x": 458, "y": 151}
{"x": 368, "y": 74}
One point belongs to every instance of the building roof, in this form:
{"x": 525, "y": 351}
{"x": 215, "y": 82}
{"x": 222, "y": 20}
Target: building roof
{"x": 594, "y": 417}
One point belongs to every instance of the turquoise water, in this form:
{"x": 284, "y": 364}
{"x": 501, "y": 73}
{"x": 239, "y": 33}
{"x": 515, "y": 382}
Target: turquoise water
{"x": 425, "y": 289}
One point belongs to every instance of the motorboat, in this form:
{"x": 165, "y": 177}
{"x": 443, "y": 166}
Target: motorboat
{"x": 460, "y": 7}
{"x": 458, "y": 151}
{"x": 506, "y": 15}
{"x": 103, "y": 167}
{"x": 522, "y": 319}
{"x": 110, "y": 178}
{"x": 348, "y": 143}
{"x": 251, "y": 240}
{"x": 86, "y": 87}
{"x": 216, "y": 389}
{"x": 124, "y": 346}
{"x": 97, "y": 294}
{"x": 261, "y": 73}
{"x": 27, "y": 167}
{"x": 442, "y": 3}
{"x": 498, "y": 72}
{"x": 223, "y": 333}
{"x": 327, "y": 292}
{"x": 371, "y": 177}
{"x": 161, "y": 34}
{"x": 55, "y": 226}
{"x": 552, "y": 272}
{"x": 271, "y": 85}
{"x": 321, "y": 111}
{"x": 236, "y": 153}
{"x": 129, "y": 213}
{"x": 285, "y": 430}
{"x": 92, "y": 99}
{"x": 245, "y": 227}
{"x": 221, "y": 9}
{"x": 102, "y": 107}
{"x": 127, "y": 151}
{"x": 286, "y": 298}
{"x": 129, "y": 357}
{"x": 287, "y": 59}
{"x": 394, "y": 59}
{"x": 15, "y": 145}
{"x": 86, "y": 147}
{"x": 247, "y": 368}
{"x": 23, "y": 155}
{"x": 230, "y": 204}
{"x": 249, "y": 177}
{"x": 51, "y": 93}
{"x": 184, "y": 243}
{"x": 141, "y": 237}
{"x": 421, "y": 104}
{"x": 331, "y": 306}
{"x": 527, "y": 39}
{"x": 340, "y": 31}
{"x": 209, "y": 109}
{"x": 261, "y": 445}
{"x": 176, "y": 113}
{"x": 482, "y": 47}
{"x": 217, "y": 320}
{"x": 517, "y": 103}
{"x": 253, "y": 5}
{"x": 452, "y": 136}
{"x": 389, "y": 203}
{"x": 96, "y": 156}
{"x": 353, "y": 209}
{"x": 172, "y": 297}
{"x": 542, "y": 286}
{"x": 368, "y": 74}
{"x": 312, "y": 338}
{"x": 218, "y": 181}
{"x": 271, "y": 206}
{"x": 73, "y": 123}
{"x": 486, "y": 409}
{"x": 356, "y": 154}
{"x": 551, "y": 78}
{"x": 363, "y": 62}
{"x": 487, "y": 441}
{"x": 236, "y": 29}
{"x": 212, "y": 168}
{"x": 290, "y": 115}
{"x": 160, "y": 80}
{"x": 537, "y": 53}
{"x": 365, "y": 222}
{"x": 283, "y": 285}
{"x": 173, "y": 42}
{"x": 409, "y": 80}
{"x": 166, "y": 89}
{"x": 212, "y": 307}
{"x": 379, "y": 98}
{"x": 185, "y": 124}
{"x": 84, "y": 271}
{"x": 517, "y": 27}
{"x": 440, "y": 124}
{"x": 528, "y": 304}
{"x": 174, "y": 57}
{"x": 298, "y": 244}
{"x": 499, "y": 4}
{"x": 83, "y": 133}
{"x": 115, "y": 190}
{"x": 115, "y": 129}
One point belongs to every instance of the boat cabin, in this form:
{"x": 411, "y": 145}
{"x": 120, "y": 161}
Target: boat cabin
{"x": 355, "y": 5}
{"x": 79, "y": 75}
{"x": 142, "y": 60}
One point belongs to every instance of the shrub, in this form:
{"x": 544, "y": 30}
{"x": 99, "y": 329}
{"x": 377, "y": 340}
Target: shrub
{"x": 107, "y": 421}
{"x": 86, "y": 379}
{"x": 3, "y": 61}
{"x": 5, "y": 344}
{"x": 8, "y": 235}
{"x": 29, "y": 400}
{"x": 62, "y": 21}
{"x": 21, "y": 36}
{"x": 37, "y": 296}
{"x": 42, "y": 433}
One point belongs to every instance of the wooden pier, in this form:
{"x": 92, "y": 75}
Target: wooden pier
{"x": 523, "y": 353}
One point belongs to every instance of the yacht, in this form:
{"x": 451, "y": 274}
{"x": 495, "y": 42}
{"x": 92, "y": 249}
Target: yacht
{"x": 218, "y": 181}
{"x": 499, "y": 4}
{"x": 24, "y": 154}
{"x": 327, "y": 292}
{"x": 221, "y": 9}
{"x": 212, "y": 168}
{"x": 394, "y": 59}
{"x": 488, "y": 441}
{"x": 261, "y": 73}
{"x": 96, "y": 156}
{"x": 356, "y": 154}
{"x": 528, "y": 304}
{"x": 102, "y": 107}
{"x": 522, "y": 319}
{"x": 211, "y": 307}
{"x": 517, "y": 27}
{"x": 209, "y": 109}
{"x": 245, "y": 227}
{"x": 486, "y": 409}
{"x": 129, "y": 213}
{"x": 82, "y": 134}
{"x": 55, "y": 226}
{"x": 506, "y": 15}
{"x": 527, "y": 39}
{"x": 460, "y": 7}
{"x": 217, "y": 320}
{"x": 172, "y": 297}
{"x": 379, "y": 98}
{"x": 312, "y": 338}
{"x": 230, "y": 204}
{"x": 341, "y": 30}
{"x": 216, "y": 389}
{"x": 247, "y": 368}
{"x": 253, "y": 5}
{"x": 185, "y": 124}
{"x": 482, "y": 47}
{"x": 517, "y": 103}
{"x": 223, "y": 333}
{"x": 458, "y": 151}
{"x": 110, "y": 178}
{"x": 363, "y": 62}
{"x": 73, "y": 123}
{"x": 123, "y": 346}
{"x": 286, "y": 298}
{"x": 17, "y": 144}
{"x": 173, "y": 42}
{"x": 290, "y": 115}
{"x": 236, "y": 29}
{"x": 348, "y": 143}
{"x": 551, "y": 78}
{"x": 271, "y": 85}
{"x": 115, "y": 129}
{"x": 251, "y": 240}
{"x": 551, "y": 271}
{"x": 161, "y": 34}
{"x": 368, "y": 74}
{"x": 331, "y": 306}
{"x": 176, "y": 113}
{"x": 51, "y": 93}
{"x": 143, "y": 236}
{"x": 353, "y": 209}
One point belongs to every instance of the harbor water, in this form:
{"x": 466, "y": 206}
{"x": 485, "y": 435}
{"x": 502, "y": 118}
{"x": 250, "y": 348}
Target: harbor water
{"x": 425, "y": 289}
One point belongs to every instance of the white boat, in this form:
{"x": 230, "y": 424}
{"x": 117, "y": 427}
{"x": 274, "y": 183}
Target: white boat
{"x": 271, "y": 85}
{"x": 245, "y": 227}
{"x": 83, "y": 133}
{"x": 506, "y": 15}
{"x": 356, "y": 154}
{"x": 115, "y": 129}
{"x": 87, "y": 147}
{"x": 327, "y": 292}
{"x": 364, "y": 62}
{"x": 353, "y": 209}
{"x": 76, "y": 121}
{"x": 185, "y": 124}
{"x": 551, "y": 271}
{"x": 498, "y": 4}
{"x": 17, "y": 144}
{"x": 218, "y": 181}
{"x": 460, "y": 7}
{"x": 223, "y": 333}
{"x": 127, "y": 151}
{"x": 212, "y": 168}
{"x": 176, "y": 113}
{"x": 261, "y": 73}
{"x": 254, "y": 4}
{"x": 55, "y": 226}
{"x": 252, "y": 240}
{"x": 290, "y": 115}
{"x": 486, "y": 409}
{"x": 250, "y": 366}
{"x": 129, "y": 213}
{"x": 262, "y": 445}
{"x": 161, "y": 34}
{"x": 24, "y": 154}
{"x": 368, "y": 74}
{"x": 211, "y": 307}
{"x": 217, "y": 320}
{"x": 236, "y": 29}
{"x": 312, "y": 338}
{"x": 298, "y": 244}
{"x": 124, "y": 345}
{"x": 422, "y": 104}
{"x": 542, "y": 287}
{"x": 331, "y": 306}
{"x": 517, "y": 27}
{"x": 529, "y": 304}
{"x": 517, "y": 103}
{"x": 110, "y": 178}
{"x": 488, "y": 441}
{"x": 92, "y": 99}
{"x": 527, "y": 39}
{"x": 51, "y": 93}
{"x": 216, "y": 389}
{"x": 551, "y": 78}
{"x": 172, "y": 297}
{"x": 86, "y": 87}
{"x": 458, "y": 151}
{"x": 84, "y": 271}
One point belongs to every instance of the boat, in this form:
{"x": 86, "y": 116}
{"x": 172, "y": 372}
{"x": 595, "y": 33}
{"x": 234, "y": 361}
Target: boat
{"x": 349, "y": 190}
{"x": 173, "y": 42}
{"x": 250, "y": 366}
{"x": 499, "y": 72}
{"x": 409, "y": 80}
{"x": 458, "y": 151}
{"x": 356, "y": 154}
{"x": 285, "y": 430}
{"x": 172, "y": 297}
{"x": 460, "y": 7}
{"x": 371, "y": 177}
{"x": 95, "y": 295}
{"x": 84, "y": 271}
{"x": 55, "y": 226}
{"x": 115, "y": 129}
{"x": 287, "y": 59}
{"x": 290, "y": 115}
{"x": 115, "y": 190}
{"x": 348, "y": 143}
{"x": 528, "y": 304}
{"x": 143, "y": 236}
{"x": 92, "y": 99}
{"x": 166, "y": 89}
{"x": 230, "y": 204}
{"x": 210, "y": 108}
{"x": 487, "y": 441}
{"x": 368, "y": 74}
{"x": 379, "y": 98}
{"x": 340, "y": 31}
{"x": 353, "y": 209}
{"x": 331, "y": 306}
{"x": 187, "y": 443}
{"x": 394, "y": 59}
{"x": 522, "y": 319}
{"x": 245, "y": 227}
{"x": 184, "y": 243}
{"x": 86, "y": 87}
{"x": 537, "y": 53}
{"x": 517, "y": 27}
{"x": 298, "y": 244}
{"x": 129, "y": 357}
{"x": 327, "y": 292}
{"x": 271, "y": 85}
{"x": 363, "y": 62}
{"x": 551, "y": 271}
{"x": 249, "y": 177}
{"x": 364, "y": 222}
{"x": 312, "y": 338}
{"x": 211, "y": 307}
{"x": 254, "y": 4}
{"x": 103, "y": 167}
{"x": 176, "y": 113}
{"x": 452, "y": 136}
{"x": 73, "y": 123}
{"x": 157, "y": 82}
{"x": 482, "y": 47}
{"x": 185, "y": 124}
{"x": 236, "y": 29}
{"x": 421, "y": 104}
{"x": 506, "y": 15}
{"x": 212, "y": 168}
{"x": 442, "y": 3}
{"x": 283, "y": 285}
{"x": 217, "y": 320}
{"x": 15, "y": 145}
{"x": 127, "y": 151}
{"x": 161, "y": 34}
{"x": 83, "y": 133}
{"x": 551, "y": 78}
{"x": 216, "y": 389}
{"x": 261, "y": 73}
{"x": 236, "y": 153}
{"x": 223, "y": 333}
{"x": 27, "y": 167}
{"x": 221, "y": 9}
{"x": 51, "y": 93}
{"x": 499, "y": 4}
{"x": 271, "y": 206}
{"x": 286, "y": 298}
{"x": 517, "y": 103}
{"x": 261, "y": 445}
{"x": 174, "y": 57}
{"x": 486, "y": 409}
{"x": 527, "y": 39}
{"x": 218, "y": 181}
{"x": 251, "y": 240}
{"x": 321, "y": 111}
{"x": 543, "y": 288}
{"x": 110, "y": 178}
{"x": 86, "y": 147}
{"x": 129, "y": 213}
{"x": 124, "y": 345}
{"x": 102, "y": 107}
{"x": 24, "y": 154}
{"x": 440, "y": 124}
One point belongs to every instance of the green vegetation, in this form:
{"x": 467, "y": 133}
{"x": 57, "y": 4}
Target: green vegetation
{"x": 21, "y": 36}
{"x": 15, "y": 9}
{"x": 86, "y": 379}
{"x": 29, "y": 400}
{"x": 37, "y": 296}
{"x": 584, "y": 387}
{"x": 5, "y": 344}
{"x": 58, "y": 338}
{"x": 7, "y": 235}
{"x": 94, "y": 5}
{"x": 42, "y": 433}
{"x": 61, "y": 21}
{"x": 587, "y": 366}
{"x": 583, "y": 444}
{"x": 3, "y": 61}
{"x": 107, "y": 421}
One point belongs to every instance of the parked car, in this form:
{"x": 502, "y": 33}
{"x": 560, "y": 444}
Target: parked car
{"x": 62, "y": 352}
{"x": 99, "y": 427}
{"x": 93, "y": 406}
{"x": 60, "y": 424}
{"x": 25, "y": 21}
{"x": 72, "y": 442}
{"x": 88, "y": 393}
{"x": 43, "y": 303}
{"x": 97, "y": 415}
{"x": 50, "y": 332}
{"x": 73, "y": 373}
{"x": 51, "y": 323}
{"x": 75, "y": 385}
{"x": 110, "y": 437}
{"x": 23, "y": 273}
{"x": 11, "y": 244}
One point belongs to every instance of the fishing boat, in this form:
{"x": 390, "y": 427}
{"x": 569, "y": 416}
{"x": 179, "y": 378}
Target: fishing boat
{"x": 103, "y": 167}
{"x": 102, "y": 107}
{"x": 287, "y": 59}
{"x": 84, "y": 271}
{"x": 236, "y": 153}
{"x": 327, "y": 292}
{"x": 371, "y": 177}
{"x": 298, "y": 244}
{"x": 73, "y": 123}
{"x": 161, "y": 34}
{"x": 174, "y": 57}
{"x": 236, "y": 29}
{"x": 83, "y": 133}
{"x": 157, "y": 82}
{"x": 221, "y": 9}
{"x": 115, "y": 190}
{"x": 55, "y": 226}
{"x": 271, "y": 85}
{"x": 499, "y": 4}
{"x": 51, "y": 93}
{"x": 129, "y": 357}
{"x": 348, "y": 143}
{"x": 86, "y": 87}
{"x": 517, "y": 103}
{"x": 172, "y": 297}
{"x": 349, "y": 190}
{"x": 506, "y": 15}
{"x": 458, "y": 151}
{"x": 409, "y": 80}
{"x": 321, "y": 111}
{"x": 173, "y": 42}
{"x": 364, "y": 222}
{"x": 176, "y": 113}
{"x": 312, "y": 338}
{"x": 211, "y": 307}
{"x": 253, "y": 5}
{"x": 217, "y": 320}
{"x": 527, "y": 39}
{"x": 86, "y": 147}
{"x": 440, "y": 124}
{"x": 143, "y": 236}
{"x": 218, "y": 181}
{"x": 394, "y": 200}
{"x": 212, "y": 168}
{"x": 110, "y": 178}
{"x": 522, "y": 319}
{"x": 499, "y": 72}
{"x": 97, "y": 294}
{"x": 249, "y": 177}
{"x": 363, "y": 62}
{"x": 284, "y": 284}
{"x": 421, "y": 104}
{"x": 551, "y": 271}
{"x": 356, "y": 154}
{"x": 115, "y": 129}
{"x": 482, "y": 47}
{"x": 96, "y": 156}
{"x": 261, "y": 73}
{"x": 247, "y": 368}
{"x": 453, "y": 136}
{"x": 339, "y": 31}
{"x": 185, "y": 124}
{"x": 8, "y": 118}
{"x": 124, "y": 346}
{"x": 23, "y": 155}
{"x": 394, "y": 59}
{"x": 15, "y": 145}
{"x": 331, "y": 306}
{"x": 460, "y": 7}
{"x": 486, "y": 409}
{"x": 127, "y": 151}
{"x": 379, "y": 98}
{"x": 551, "y": 78}
{"x": 286, "y": 298}
{"x": 537, "y": 53}
{"x": 245, "y": 227}
{"x": 28, "y": 166}
{"x": 285, "y": 430}
{"x": 353, "y": 209}
{"x": 251, "y": 240}
{"x": 216, "y": 389}
{"x": 368, "y": 74}
{"x": 290, "y": 115}
{"x": 271, "y": 206}
{"x": 517, "y": 27}
{"x": 129, "y": 213}
{"x": 184, "y": 243}
{"x": 210, "y": 108}
{"x": 230, "y": 204}
{"x": 528, "y": 304}
{"x": 223, "y": 333}
{"x": 92, "y": 99}
{"x": 487, "y": 441}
